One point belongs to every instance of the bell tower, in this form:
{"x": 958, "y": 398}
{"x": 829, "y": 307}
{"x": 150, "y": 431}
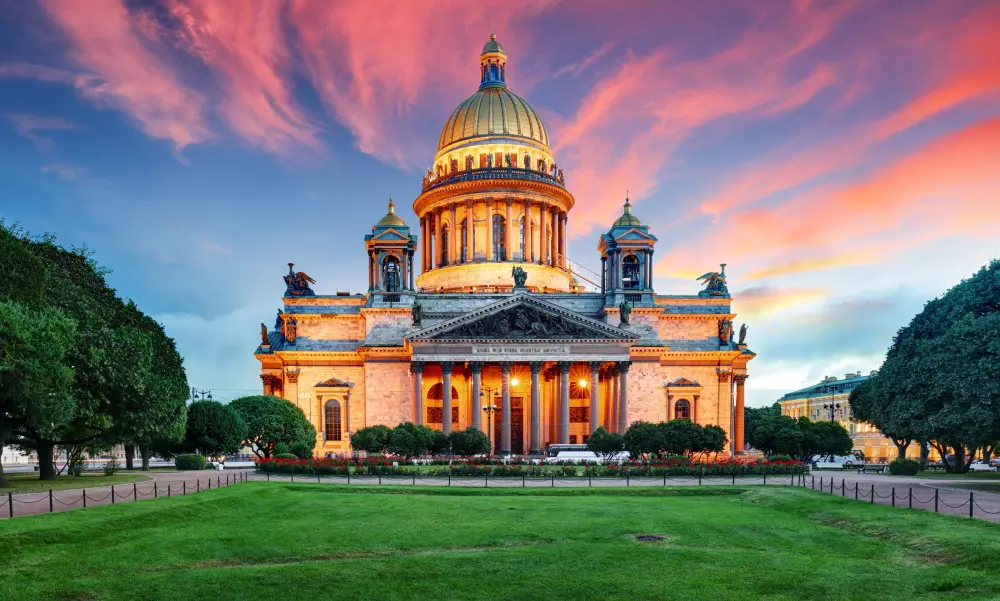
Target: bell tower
{"x": 390, "y": 259}
{"x": 627, "y": 261}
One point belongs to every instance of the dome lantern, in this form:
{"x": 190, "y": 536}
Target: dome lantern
{"x": 627, "y": 219}
{"x": 390, "y": 219}
{"x": 492, "y": 65}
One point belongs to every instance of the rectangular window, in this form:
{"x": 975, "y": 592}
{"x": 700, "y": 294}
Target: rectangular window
{"x": 333, "y": 425}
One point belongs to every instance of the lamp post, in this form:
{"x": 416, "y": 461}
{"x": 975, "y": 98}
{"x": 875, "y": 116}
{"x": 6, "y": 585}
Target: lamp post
{"x": 831, "y": 407}
{"x": 200, "y": 395}
{"x": 489, "y": 410}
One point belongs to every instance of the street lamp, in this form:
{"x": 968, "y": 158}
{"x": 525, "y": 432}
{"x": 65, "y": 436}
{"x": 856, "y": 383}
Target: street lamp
{"x": 490, "y": 410}
{"x": 831, "y": 407}
{"x": 200, "y": 395}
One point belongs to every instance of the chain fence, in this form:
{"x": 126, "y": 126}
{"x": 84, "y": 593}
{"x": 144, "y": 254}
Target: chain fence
{"x": 19, "y": 505}
{"x": 938, "y": 503}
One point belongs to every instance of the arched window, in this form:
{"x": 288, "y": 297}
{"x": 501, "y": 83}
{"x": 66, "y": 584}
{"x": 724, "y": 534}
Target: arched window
{"x": 465, "y": 241}
{"x": 444, "y": 246}
{"x": 499, "y": 238}
{"x": 630, "y": 273}
{"x": 391, "y": 278}
{"x": 332, "y": 425}
{"x": 682, "y": 409}
{"x": 434, "y": 393}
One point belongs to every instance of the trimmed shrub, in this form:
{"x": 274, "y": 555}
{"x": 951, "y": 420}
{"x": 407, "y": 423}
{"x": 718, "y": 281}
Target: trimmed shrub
{"x": 904, "y": 467}
{"x": 189, "y": 461}
{"x": 286, "y": 456}
{"x": 302, "y": 450}
{"x": 111, "y": 467}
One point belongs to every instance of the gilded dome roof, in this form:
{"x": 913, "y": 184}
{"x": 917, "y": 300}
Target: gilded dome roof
{"x": 493, "y": 111}
{"x": 627, "y": 219}
{"x": 391, "y": 219}
{"x": 493, "y": 45}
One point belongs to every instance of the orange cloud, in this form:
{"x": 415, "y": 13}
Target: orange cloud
{"x": 765, "y": 300}
{"x": 848, "y": 259}
{"x": 103, "y": 39}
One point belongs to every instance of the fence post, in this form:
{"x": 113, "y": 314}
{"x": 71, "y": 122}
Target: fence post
{"x": 168, "y": 490}
{"x": 935, "y": 500}
{"x": 627, "y": 481}
{"x": 380, "y": 479}
{"x": 553, "y": 480}
{"x": 909, "y": 502}
{"x": 699, "y": 475}
{"x": 664, "y": 478}
{"x": 317, "y": 479}
{"x": 10, "y": 503}
{"x": 414, "y": 478}
{"x": 135, "y": 492}
{"x": 156, "y": 493}
{"x": 734, "y": 478}
{"x": 765, "y": 478}
{"x": 50, "y": 501}
{"x": 84, "y": 499}
{"x": 857, "y": 485}
{"x": 814, "y": 483}
{"x": 831, "y": 485}
{"x": 449, "y": 479}
{"x": 820, "y": 483}
{"x": 185, "y": 483}
{"x": 843, "y": 488}
{"x": 893, "y": 496}
{"x": 218, "y": 481}
{"x": 971, "y": 503}
{"x": 198, "y": 487}
{"x": 873, "y": 494}
{"x": 112, "y": 494}
{"x": 293, "y": 476}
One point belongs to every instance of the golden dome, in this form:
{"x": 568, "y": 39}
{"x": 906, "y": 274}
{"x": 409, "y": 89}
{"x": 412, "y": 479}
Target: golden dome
{"x": 627, "y": 219}
{"x": 391, "y": 219}
{"x": 493, "y": 111}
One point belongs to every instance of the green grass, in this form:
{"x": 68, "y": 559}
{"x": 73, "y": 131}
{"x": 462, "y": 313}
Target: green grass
{"x": 312, "y": 542}
{"x": 942, "y": 475}
{"x": 30, "y": 483}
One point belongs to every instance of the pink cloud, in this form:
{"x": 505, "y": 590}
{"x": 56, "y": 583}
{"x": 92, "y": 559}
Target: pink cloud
{"x": 27, "y": 127}
{"x": 66, "y": 171}
{"x": 577, "y": 67}
{"x": 104, "y": 40}
{"x": 245, "y": 45}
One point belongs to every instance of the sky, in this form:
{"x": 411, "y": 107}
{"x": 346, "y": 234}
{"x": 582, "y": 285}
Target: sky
{"x": 842, "y": 158}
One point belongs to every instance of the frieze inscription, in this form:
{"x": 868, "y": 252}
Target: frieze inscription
{"x": 507, "y": 349}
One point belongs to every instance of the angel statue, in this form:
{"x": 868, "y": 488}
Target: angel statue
{"x": 624, "y": 312}
{"x": 715, "y": 283}
{"x": 725, "y": 331}
{"x": 743, "y": 334}
{"x": 263, "y": 335}
{"x": 520, "y": 276}
{"x": 298, "y": 283}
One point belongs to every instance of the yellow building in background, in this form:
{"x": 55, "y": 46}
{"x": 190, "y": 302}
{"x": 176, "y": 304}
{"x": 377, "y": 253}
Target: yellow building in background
{"x": 828, "y": 401}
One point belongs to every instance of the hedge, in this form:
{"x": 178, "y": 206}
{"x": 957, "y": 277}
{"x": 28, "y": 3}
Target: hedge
{"x": 904, "y": 467}
{"x": 189, "y": 462}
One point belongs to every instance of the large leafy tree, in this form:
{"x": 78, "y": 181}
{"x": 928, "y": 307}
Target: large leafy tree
{"x": 128, "y": 377}
{"x": 890, "y": 414}
{"x": 753, "y": 415}
{"x": 800, "y": 438}
{"x": 606, "y": 444}
{"x": 213, "y": 428}
{"x": 941, "y": 375}
{"x": 272, "y": 421}
{"x": 410, "y": 440}
{"x": 643, "y": 439}
{"x": 469, "y": 442}
{"x": 373, "y": 440}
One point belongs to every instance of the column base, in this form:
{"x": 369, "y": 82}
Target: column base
{"x": 504, "y": 453}
{"x": 535, "y": 452}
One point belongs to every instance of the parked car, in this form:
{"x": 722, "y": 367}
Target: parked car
{"x": 981, "y": 466}
{"x": 834, "y": 462}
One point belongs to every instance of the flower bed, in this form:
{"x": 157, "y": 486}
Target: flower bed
{"x": 498, "y": 467}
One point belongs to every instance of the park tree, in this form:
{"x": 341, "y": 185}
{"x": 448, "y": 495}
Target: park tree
{"x": 272, "y": 421}
{"x": 752, "y": 415}
{"x": 469, "y": 442}
{"x": 213, "y": 428}
{"x": 713, "y": 439}
{"x": 943, "y": 369}
{"x": 777, "y": 435}
{"x": 607, "y": 445}
{"x": 824, "y": 438}
{"x": 891, "y": 415}
{"x": 373, "y": 440}
{"x": 35, "y": 380}
{"x": 410, "y": 440}
{"x": 439, "y": 443}
{"x": 643, "y": 439}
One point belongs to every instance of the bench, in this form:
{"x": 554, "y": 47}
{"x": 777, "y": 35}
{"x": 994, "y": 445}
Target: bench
{"x": 876, "y": 468}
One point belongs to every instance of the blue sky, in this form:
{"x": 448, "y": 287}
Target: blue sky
{"x": 836, "y": 155}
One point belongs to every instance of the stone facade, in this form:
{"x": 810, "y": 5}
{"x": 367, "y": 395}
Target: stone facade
{"x": 496, "y": 317}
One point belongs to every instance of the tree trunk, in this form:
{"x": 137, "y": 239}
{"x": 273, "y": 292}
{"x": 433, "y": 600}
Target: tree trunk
{"x": 961, "y": 465}
{"x": 144, "y": 453}
{"x": 4, "y": 435}
{"x": 901, "y": 448}
{"x": 924, "y": 451}
{"x": 46, "y": 465}
{"x": 129, "y": 457}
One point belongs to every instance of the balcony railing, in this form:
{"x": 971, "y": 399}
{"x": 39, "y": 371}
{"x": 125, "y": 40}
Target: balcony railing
{"x": 470, "y": 175}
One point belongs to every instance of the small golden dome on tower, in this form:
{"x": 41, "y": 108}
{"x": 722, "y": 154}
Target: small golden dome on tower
{"x": 391, "y": 219}
{"x": 627, "y": 219}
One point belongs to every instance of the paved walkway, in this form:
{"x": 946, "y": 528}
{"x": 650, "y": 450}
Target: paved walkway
{"x": 918, "y": 493}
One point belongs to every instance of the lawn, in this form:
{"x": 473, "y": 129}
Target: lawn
{"x": 941, "y": 475}
{"x": 30, "y": 483}
{"x": 265, "y": 541}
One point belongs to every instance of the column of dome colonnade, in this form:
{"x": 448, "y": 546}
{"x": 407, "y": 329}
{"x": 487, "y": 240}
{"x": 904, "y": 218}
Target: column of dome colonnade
{"x": 494, "y": 195}
{"x": 613, "y": 375}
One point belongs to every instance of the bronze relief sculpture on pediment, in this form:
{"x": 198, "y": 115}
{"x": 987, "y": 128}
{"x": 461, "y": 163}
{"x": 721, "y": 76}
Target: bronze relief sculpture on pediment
{"x": 523, "y": 323}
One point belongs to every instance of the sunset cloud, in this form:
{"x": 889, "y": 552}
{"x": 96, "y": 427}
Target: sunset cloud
{"x": 28, "y": 126}
{"x": 104, "y": 40}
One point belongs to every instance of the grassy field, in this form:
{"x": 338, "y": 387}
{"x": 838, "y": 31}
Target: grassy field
{"x": 30, "y": 483}
{"x": 265, "y": 541}
{"x": 940, "y": 475}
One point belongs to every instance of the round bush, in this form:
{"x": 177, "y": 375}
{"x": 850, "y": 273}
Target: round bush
{"x": 904, "y": 467}
{"x": 189, "y": 462}
{"x": 286, "y": 456}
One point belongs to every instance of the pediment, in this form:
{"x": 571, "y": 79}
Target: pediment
{"x": 390, "y": 234}
{"x": 333, "y": 383}
{"x": 635, "y": 234}
{"x": 684, "y": 383}
{"x": 522, "y": 317}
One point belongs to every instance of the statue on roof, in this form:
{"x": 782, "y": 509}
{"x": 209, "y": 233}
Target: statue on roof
{"x": 743, "y": 334}
{"x": 278, "y": 321}
{"x": 625, "y": 312}
{"x": 520, "y": 276}
{"x": 715, "y": 283}
{"x": 725, "y": 331}
{"x": 263, "y": 335}
{"x": 298, "y": 283}
{"x": 418, "y": 313}
{"x": 291, "y": 330}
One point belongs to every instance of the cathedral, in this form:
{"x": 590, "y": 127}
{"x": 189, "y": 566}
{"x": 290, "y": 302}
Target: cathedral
{"x": 476, "y": 319}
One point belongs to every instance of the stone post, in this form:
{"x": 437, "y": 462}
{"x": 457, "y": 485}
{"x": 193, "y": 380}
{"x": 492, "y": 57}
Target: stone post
{"x": 505, "y": 408}
{"x": 477, "y": 385}
{"x": 738, "y": 436}
{"x": 595, "y": 370}
{"x": 446, "y": 367}
{"x": 417, "y": 369}
{"x": 536, "y": 414}
{"x": 564, "y": 367}
{"x": 623, "y": 367}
